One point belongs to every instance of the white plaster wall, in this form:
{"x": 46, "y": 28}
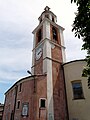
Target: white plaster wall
{"x": 34, "y": 40}
{"x": 48, "y": 64}
{"x": 55, "y": 19}
{"x": 43, "y": 16}
{"x": 50, "y": 16}
{"x": 50, "y": 91}
{"x": 46, "y": 30}
{"x": 33, "y": 53}
{"x": 44, "y": 60}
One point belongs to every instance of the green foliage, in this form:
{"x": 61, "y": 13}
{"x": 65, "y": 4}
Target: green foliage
{"x": 81, "y": 26}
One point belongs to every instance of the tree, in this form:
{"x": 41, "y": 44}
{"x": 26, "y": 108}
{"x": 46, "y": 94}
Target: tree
{"x": 81, "y": 27}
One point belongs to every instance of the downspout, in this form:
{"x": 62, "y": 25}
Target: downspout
{"x": 16, "y": 88}
{"x": 3, "y": 110}
{"x": 65, "y": 93}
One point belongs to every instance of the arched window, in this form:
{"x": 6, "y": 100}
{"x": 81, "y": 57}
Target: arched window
{"x": 52, "y": 18}
{"x": 54, "y": 33}
{"x": 18, "y": 104}
{"x": 39, "y": 35}
{"x": 47, "y": 16}
{"x": 20, "y": 87}
{"x": 42, "y": 102}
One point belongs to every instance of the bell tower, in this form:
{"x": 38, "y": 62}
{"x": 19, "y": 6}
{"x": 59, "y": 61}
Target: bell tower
{"x": 48, "y": 55}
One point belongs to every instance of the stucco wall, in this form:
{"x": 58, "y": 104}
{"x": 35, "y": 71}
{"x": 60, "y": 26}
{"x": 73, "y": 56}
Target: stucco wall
{"x": 26, "y": 95}
{"x": 78, "y": 109}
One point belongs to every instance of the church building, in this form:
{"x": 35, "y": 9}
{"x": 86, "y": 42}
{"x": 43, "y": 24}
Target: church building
{"x": 55, "y": 90}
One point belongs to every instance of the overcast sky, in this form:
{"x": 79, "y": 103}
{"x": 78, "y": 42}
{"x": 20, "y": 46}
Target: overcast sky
{"x": 18, "y": 18}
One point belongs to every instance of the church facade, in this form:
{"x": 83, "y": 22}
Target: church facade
{"x": 44, "y": 95}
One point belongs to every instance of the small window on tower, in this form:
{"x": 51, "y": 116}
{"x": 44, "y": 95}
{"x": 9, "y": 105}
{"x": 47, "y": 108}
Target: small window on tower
{"x": 54, "y": 32}
{"x": 47, "y": 16}
{"x": 42, "y": 103}
{"x": 52, "y": 18}
{"x": 39, "y": 35}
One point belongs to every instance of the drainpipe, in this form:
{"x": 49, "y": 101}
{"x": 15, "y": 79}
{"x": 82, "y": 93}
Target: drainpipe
{"x": 16, "y": 89}
{"x": 34, "y": 80}
{"x": 65, "y": 92}
{"x": 3, "y": 110}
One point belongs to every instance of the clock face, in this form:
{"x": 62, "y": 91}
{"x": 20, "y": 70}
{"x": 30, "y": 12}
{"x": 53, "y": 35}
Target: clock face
{"x": 38, "y": 53}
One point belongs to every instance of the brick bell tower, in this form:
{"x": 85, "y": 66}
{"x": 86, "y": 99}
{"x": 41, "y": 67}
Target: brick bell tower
{"x": 48, "y": 54}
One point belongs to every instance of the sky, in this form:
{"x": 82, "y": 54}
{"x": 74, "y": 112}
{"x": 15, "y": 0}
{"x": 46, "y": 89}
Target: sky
{"x": 18, "y": 18}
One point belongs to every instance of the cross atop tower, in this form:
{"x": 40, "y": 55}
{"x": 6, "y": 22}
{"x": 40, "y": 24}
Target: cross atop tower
{"x": 47, "y": 14}
{"x": 46, "y": 8}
